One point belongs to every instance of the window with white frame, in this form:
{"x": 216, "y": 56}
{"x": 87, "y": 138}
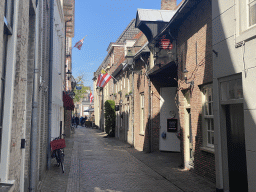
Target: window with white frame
{"x": 251, "y": 12}
{"x": 142, "y": 113}
{"x": 121, "y": 83}
{"x": 124, "y": 81}
{"x": 246, "y": 18}
{"x": 128, "y": 83}
{"x": 208, "y": 117}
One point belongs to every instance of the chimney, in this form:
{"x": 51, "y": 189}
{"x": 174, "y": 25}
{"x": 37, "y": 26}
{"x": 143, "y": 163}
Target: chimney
{"x": 168, "y": 4}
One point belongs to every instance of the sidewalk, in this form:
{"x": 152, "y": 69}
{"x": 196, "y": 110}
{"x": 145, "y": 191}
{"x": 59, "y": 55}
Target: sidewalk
{"x": 97, "y": 163}
{"x": 167, "y": 165}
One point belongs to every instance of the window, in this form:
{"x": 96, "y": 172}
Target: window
{"x": 142, "y": 112}
{"x": 208, "y": 117}
{"x": 245, "y": 19}
{"x": 252, "y": 12}
{"x": 128, "y": 84}
{"x": 8, "y": 22}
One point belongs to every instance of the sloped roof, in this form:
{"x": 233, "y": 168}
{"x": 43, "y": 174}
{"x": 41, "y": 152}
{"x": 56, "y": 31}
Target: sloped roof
{"x": 128, "y": 33}
{"x": 152, "y": 15}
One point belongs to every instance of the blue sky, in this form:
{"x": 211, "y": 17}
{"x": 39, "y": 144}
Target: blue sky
{"x": 102, "y": 21}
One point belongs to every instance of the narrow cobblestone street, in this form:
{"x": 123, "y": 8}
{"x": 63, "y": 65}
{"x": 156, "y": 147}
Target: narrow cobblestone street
{"x": 95, "y": 163}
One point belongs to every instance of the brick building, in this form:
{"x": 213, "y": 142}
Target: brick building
{"x": 181, "y": 46}
{"x": 111, "y": 63}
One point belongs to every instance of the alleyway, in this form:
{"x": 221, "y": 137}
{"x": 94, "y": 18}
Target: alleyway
{"x": 94, "y": 163}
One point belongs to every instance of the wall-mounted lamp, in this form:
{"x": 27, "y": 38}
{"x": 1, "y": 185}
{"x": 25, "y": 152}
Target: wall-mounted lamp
{"x": 186, "y": 79}
{"x": 121, "y": 102}
{"x": 68, "y": 74}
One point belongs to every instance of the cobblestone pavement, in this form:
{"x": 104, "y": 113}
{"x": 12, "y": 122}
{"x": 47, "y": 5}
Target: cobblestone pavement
{"x": 98, "y": 164}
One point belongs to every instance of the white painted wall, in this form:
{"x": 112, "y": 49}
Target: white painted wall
{"x": 229, "y": 29}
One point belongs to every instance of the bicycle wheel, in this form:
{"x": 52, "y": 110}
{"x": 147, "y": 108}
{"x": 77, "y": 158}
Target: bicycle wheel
{"x": 61, "y": 159}
{"x": 62, "y": 166}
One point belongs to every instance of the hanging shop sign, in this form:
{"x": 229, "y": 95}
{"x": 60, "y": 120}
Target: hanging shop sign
{"x": 172, "y": 125}
{"x": 165, "y": 44}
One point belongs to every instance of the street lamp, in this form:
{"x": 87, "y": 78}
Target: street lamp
{"x": 186, "y": 79}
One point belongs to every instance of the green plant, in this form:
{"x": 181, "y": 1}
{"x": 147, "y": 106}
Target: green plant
{"x": 130, "y": 92}
{"x": 114, "y": 94}
{"x": 126, "y": 94}
{"x": 110, "y": 117}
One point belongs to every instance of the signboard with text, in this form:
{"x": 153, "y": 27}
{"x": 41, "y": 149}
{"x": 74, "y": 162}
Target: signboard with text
{"x": 172, "y": 125}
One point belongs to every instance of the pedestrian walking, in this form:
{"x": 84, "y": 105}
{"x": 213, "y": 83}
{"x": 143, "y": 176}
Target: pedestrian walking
{"x": 73, "y": 121}
{"x": 77, "y": 121}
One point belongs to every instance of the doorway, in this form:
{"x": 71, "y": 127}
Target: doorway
{"x": 237, "y": 168}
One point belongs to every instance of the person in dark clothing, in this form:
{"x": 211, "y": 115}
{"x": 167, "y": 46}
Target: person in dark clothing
{"x": 77, "y": 121}
{"x": 73, "y": 120}
{"x": 82, "y": 121}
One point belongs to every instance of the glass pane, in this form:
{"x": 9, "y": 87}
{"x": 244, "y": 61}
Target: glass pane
{"x": 209, "y": 124}
{"x": 206, "y": 109}
{"x": 212, "y": 125}
{"x": 210, "y": 108}
{"x": 224, "y": 90}
{"x": 209, "y": 138}
{"x": 239, "y": 89}
{"x": 252, "y": 13}
{"x": 212, "y": 138}
{"x": 232, "y": 85}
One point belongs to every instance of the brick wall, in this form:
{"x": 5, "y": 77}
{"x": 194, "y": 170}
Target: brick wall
{"x": 194, "y": 53}
{"x": 168, "y": 4}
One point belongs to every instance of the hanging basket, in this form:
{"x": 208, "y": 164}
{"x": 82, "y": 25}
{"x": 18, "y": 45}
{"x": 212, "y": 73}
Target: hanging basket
{"x": 58, "y": 144}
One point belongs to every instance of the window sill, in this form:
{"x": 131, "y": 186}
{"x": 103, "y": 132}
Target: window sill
{"x": 5, "y": 187}
{"x": 246, "y": 35}
{"x": 141, "y": 134}
{"x": 207, "y": 149}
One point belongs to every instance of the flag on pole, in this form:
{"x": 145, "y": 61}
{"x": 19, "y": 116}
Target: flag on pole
{"x": 99, "y": 79}
{"x": 79, "y": 44}
{"x": 91, "y": 97}
{"x": 103, "y": 71}
{"x": 103, "y": 79}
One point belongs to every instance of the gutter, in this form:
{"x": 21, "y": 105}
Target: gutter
{"x": 50, "y": 84}
{"x": 34, "y": 123}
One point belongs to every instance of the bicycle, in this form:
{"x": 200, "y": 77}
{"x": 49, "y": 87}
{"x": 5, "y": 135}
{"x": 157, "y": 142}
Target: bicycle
{"x": 57, "y": 146}
{"x": 73, "y": 129}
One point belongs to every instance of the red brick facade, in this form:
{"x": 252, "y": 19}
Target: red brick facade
{"x": 195, "y": 54}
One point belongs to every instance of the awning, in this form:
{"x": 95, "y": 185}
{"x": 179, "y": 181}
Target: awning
{"x": 68, "y": 102}
{"x": 164, "y": 75}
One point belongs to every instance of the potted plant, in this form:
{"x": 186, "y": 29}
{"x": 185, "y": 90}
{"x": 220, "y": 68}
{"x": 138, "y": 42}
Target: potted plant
{"x": 130, "y": 93}
{"x": 120, "y": 92}
{"x": 126, "y": 95}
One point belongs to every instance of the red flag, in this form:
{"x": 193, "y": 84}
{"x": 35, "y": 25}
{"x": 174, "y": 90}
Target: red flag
{"x": 105, "y": 79}
{"x": 79, "y": 44}
{"x": 91, "y": 97}
{"x": 99, "y": 79}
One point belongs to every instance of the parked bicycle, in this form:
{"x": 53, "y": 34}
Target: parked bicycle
{"x": 57, "y": 147}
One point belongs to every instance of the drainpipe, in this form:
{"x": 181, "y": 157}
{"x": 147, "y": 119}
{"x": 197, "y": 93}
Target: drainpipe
{"x": 34, "y": 123}
{"x": 149, "y": 108}
{"x": 50, "y": 83}
{"x": 133, "y": 94}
